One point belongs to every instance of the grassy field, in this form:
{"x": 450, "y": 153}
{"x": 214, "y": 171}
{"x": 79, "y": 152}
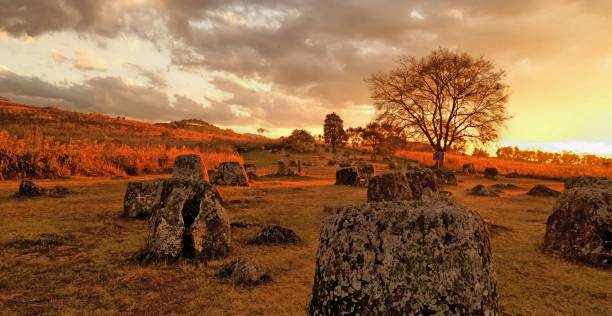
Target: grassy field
{"x": 87, "y": 267}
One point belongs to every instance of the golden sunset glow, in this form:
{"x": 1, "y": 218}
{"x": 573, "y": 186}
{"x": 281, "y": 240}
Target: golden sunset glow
{"x": 245, "y": 65}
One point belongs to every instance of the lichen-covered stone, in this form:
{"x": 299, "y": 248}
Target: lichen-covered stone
{"x": 276, "y": 234}
{"x": 586, "y": 181}
{"x": 580, "y": 227}
{"x": 469, "y": 168}
{"x": 141, "y": 198}
{"x": 389, "y": 187}
{"x": 422, "y": 182}
{"x": 347, "y": 176}
{"x": 189, "y": 221}
{"x": 404, "y": 258}
{"x": 242, "y": 272}
{"x": 415, "y": 184}
{"x": 542, "y": 190}
{"x": 232, "y": 173}
{"x": 445, "y": 176}
{"x": 491, "y": 173}
{"x": 189, "y": 167}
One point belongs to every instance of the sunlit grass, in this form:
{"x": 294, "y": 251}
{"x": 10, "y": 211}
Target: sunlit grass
{"x": 94, "y": 272}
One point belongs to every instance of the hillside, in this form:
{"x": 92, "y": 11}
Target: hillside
{"x": 21, "y": 119}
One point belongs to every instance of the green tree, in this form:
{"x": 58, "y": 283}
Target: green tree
{"x": 354, "y": 137}
{"x": 300, "y": 140}
{"x": 333, "y": 131}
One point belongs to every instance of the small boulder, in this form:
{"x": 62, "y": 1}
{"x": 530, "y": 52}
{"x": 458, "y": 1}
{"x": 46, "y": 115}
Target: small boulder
{"x": 445, "y": 176}
{"x": 347, "y": 176}
{"x": 276, "y": 234}
{"x": 141, "y": 198}
{"x": 251, "y": 171}
{"x": 332, "y": 162}
{"x": 491, "y": 173}
{"x": 189, "y": 167}
{"x": 580, "y": 227}
{"x": 404, "y": 258}
{"x": 542, "y": 190}
{"x": 28, "y": 188}
{"x": 586, "y": 181}
{"x": 232, "y": 173}
{"x": 481, "y": 190}
{"x": 189, "y": 222}
{"x": 469, "y": 168}
{"x": 242, "y": 272}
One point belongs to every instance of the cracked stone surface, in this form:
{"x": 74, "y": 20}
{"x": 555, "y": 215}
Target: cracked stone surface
{"x": 587, "y": 181}
{"x": 189, "y": 221}
{"x": 580, "y": 227}
{"x": 189, "y": 167}
{"x": 232, "y": 173}
{"x": 446, "y": 176}
{"x": 404, "y": 258}
{"x": 416, "y": 184}
{"x": 141, "y": 198}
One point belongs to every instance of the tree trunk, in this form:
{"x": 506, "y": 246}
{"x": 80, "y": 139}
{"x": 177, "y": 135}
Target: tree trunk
{"x": 333, "y": 147}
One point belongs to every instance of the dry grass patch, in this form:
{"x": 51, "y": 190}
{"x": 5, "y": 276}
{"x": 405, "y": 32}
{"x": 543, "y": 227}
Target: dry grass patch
{"x": 100, "y": 276}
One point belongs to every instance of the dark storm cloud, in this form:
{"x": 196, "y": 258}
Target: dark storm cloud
{"x": 109, "y": 95}
{"x": 317, "y": 51}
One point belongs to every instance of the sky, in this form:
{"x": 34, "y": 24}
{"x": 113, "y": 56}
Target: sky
{"x": 282, "y": 65}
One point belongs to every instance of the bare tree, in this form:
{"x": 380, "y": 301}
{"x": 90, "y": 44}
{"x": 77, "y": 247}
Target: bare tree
{"x": 262, "y": 130}
{"x": 445, "y": 98}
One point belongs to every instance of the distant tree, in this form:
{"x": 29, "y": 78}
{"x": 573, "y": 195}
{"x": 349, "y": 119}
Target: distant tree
{"x": 383, "y": 138}
{"x": 442, "y": 98}
{"x": 300, "y": 140}
{"x": 354, "y": 137}
{"x": 480, "y": 152}
{"x": 333, "y": 131}
{"x": 262, "y": 131}
{"x": 320, "y": 138}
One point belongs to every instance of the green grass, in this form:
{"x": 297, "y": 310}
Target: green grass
{"x": 92, "y": 271}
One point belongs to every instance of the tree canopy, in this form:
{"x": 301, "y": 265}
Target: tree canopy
{"x": 445, "y": 98}
{"x": 333, "y": 130}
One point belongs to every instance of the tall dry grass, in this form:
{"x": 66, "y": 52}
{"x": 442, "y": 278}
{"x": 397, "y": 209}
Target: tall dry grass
{"x": 39, "y": 157}
{"x": 456, "y": 161}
